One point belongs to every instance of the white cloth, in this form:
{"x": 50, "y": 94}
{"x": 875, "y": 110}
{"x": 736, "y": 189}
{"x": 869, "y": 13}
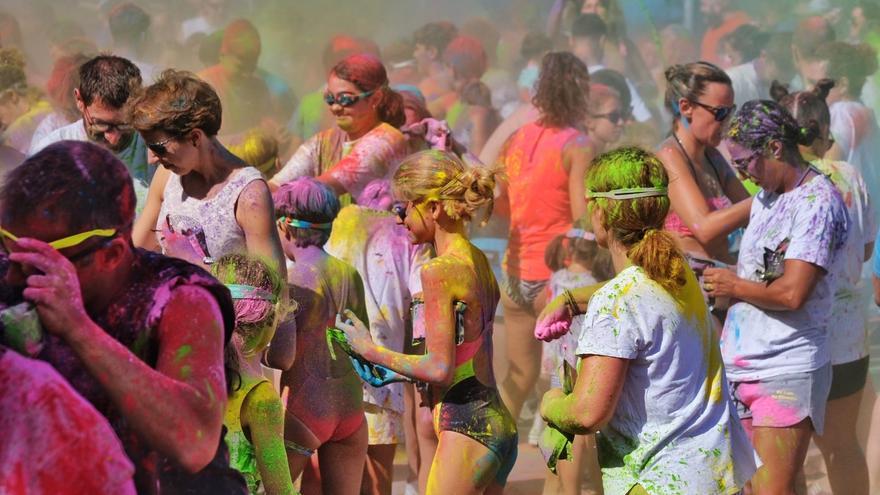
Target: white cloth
{"x": 639, "y": 109}
{"x": 390, "y": 266}
{"x": 854, "y": 127}
{"x": 54, "y": 120}
{"x": 214, "y": 217}
{"x": 746, "y": 84}
{"x": 757, "y": 343}
{"x": 374, "y": 155}
{"x": 134, "y": 156}
{"x": 848, "y": 333}
{"x": 675, "y": 429}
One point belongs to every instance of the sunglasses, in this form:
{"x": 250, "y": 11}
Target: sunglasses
{"x": 159, "y": 148}
{"x": 399, "y": 209}
{"x": 345, "y": 100}
{"x": 720, "y": 113}
{"x": 742, "y": 164}
{"x": 70, "y": 241}
{"x": 616, "y": 117}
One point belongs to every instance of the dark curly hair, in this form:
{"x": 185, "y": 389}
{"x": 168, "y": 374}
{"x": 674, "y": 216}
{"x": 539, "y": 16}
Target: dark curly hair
{"x": 562, "y": 90}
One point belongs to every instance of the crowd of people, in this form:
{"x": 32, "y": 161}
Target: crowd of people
{"x": 643, "y": 247}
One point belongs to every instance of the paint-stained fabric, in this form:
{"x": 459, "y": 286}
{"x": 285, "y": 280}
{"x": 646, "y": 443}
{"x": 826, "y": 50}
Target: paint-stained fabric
{"x": 133, "y": 319}
{"x": 809, "y": 224}
{"x": 354, "y": 164}
{"x": 540, "y": 208}
{"x": 674, "y": 430}
{"x": 390, "y": 267}
{"x": 214, "y": 217}
{"x": 848, "y": 335}
{"x": 54, "y": 442}
{"x": 563, "y": 348}
{"x": 242, "y": 456}
{"x": 857, "y": 134}
{"x": 18, "y": 134}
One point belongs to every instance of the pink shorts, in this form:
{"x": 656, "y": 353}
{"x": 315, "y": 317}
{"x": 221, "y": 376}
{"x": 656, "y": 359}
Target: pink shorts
{"x": 786, "y": 400}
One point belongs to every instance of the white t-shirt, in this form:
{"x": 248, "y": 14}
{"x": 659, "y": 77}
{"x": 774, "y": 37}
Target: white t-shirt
{"x": 854, "y": 127}
{"x": 675, "y": 429}
{"x": 757, "y": 343}
{"x": 390, "y": 267}
{"x": 745, "y": 83}
{"x": 848, "y": 334}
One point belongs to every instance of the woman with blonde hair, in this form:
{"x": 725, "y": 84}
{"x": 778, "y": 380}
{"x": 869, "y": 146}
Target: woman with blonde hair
{"x": 477, "y": 435}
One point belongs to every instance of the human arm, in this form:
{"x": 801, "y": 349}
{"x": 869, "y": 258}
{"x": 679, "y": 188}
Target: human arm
{"x": 303, "y": 163}
{"x": 482, "y": 120}
{"x": 368, "y": 159}
{"x": 176, "y": 407}
{"x": 554, "y": 321}
{"x": 554, "y": 18}
{"x": 436, "y": 365}
{"x": 282, "y": 352}
{"x": 263, "y": 416}
{"x": 592, "y": 402}
{"x": 576, "y": 157}
{"x": 787, "y": 293}
{"x": 143, "y": 235}
{"x": 689, "y": 203}
{"x": 255, "y": 215}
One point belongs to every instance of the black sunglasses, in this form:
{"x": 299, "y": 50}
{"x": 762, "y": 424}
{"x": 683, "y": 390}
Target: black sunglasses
{"x": 399, "y": 209}
{"x": 720, "y": 113}
{"x": 344, "y": 99}
{"x": 159, "y": 148}
{"x": 615, "y": 117}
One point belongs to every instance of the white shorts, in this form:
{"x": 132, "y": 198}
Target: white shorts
{"x": 384, "y": 425}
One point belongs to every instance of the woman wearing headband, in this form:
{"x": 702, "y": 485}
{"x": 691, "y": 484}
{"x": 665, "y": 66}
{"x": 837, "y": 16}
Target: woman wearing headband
{"x": 702, "y": 187}
{"x": 650, "y": 376}
{"x": 203, "y": 202}
{"x": 775, "y": 338}
{"x": 365, "y": 144}
{"x": 477, "y": 435}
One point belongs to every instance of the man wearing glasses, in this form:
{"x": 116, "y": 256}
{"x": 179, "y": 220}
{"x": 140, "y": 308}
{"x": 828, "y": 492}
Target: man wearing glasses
{"x": 107, "y": 84}
{"x": 139, "y": 335}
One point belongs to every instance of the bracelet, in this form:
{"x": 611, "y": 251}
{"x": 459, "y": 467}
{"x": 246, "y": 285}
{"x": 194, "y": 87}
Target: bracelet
{"x": 571, "y": 303}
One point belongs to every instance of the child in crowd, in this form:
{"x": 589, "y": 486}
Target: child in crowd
{"x": 254, "y": 416}
{"x": 325, "y": 411}
{"x": 572, "y": 258}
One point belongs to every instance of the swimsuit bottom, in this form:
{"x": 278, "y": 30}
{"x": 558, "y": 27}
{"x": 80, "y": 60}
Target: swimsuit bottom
{"x": 476, "y": 411}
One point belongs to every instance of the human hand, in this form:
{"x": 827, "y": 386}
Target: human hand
{"x": 357, "y": 334}
{"x": 374, "y": 374}
{"x": 719, "y": 282}
{"x": 554, "y": 320}
{"x": 56, "y": 291}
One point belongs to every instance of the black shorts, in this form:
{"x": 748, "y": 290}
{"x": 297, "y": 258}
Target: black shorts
{"x": 848, "y": 378}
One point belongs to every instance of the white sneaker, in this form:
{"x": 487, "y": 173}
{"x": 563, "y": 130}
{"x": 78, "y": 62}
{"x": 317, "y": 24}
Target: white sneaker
{"x": 537, "y": 429}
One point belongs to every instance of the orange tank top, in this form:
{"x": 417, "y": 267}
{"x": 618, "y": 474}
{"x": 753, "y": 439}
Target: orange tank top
{"x": 540, "y": 208}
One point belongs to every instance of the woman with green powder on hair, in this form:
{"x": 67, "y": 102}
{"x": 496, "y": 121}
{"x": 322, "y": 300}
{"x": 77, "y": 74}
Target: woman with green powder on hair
{"x": 650, "y": 378}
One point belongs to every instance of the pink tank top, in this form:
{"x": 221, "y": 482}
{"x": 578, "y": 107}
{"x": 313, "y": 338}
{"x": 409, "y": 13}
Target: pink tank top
{"x": 674, "y": 224}
{"x": 540, "y": 208}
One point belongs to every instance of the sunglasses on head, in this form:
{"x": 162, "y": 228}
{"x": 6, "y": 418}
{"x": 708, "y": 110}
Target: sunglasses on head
{"x": 720, "y": 113}
{"x": 159, "y": 148}
{"x": 615, "y": 117}
{"x": 344, "y": 99}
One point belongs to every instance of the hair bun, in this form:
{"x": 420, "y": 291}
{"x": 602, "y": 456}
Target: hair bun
{"x": 808, "y": 133}
{"x": 823, "y": 87}
{"x": 778, "y": 90}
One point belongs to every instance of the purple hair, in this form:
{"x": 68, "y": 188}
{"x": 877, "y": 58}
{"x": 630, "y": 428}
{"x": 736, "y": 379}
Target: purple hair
{"x": 309, "y": 200}
{"x": 762, "y": 121}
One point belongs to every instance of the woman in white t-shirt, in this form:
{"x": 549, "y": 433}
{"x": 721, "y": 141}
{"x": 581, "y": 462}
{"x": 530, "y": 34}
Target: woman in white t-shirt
{"x": 365, "y": 143}
{"x": 844, "y": 459}
{"x": 650, "y": 377}
{"x": 775, "y": 342}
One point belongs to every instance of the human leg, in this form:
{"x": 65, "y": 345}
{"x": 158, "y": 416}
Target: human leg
{"x": 782, "y": 451}
{"x": 844, "y": 459}
{"x": 523, "y": 349}
{"x": 385, "y": 431}
{"x": 342, "y": 463}
{"x": 427, "y": 440}
{"x": 461, "y": 465}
